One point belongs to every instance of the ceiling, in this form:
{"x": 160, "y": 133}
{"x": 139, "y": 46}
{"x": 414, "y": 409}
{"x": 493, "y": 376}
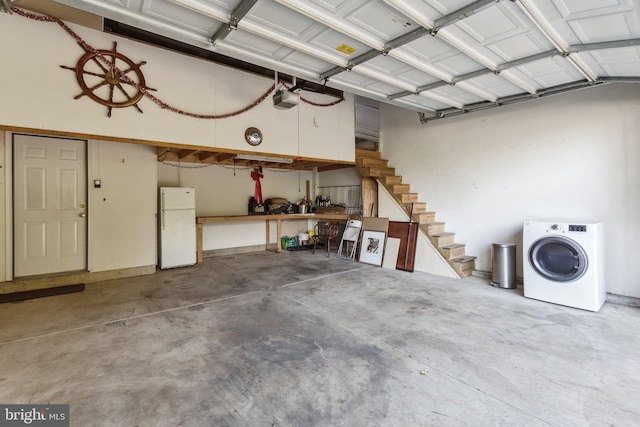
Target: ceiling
{"x": 439, "y": 58}
{"x": 436, "y": 57}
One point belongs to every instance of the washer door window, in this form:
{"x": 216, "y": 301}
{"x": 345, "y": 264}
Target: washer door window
{"x": 558, "y": 258}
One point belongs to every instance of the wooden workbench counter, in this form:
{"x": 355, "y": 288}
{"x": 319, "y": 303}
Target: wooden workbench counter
{"x": 201, "y": 220}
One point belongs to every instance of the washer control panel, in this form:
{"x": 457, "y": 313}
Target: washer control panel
{"x": 579, "y": 228}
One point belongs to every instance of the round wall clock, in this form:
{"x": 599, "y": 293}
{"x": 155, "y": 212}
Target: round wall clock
{"x": 253, "y": 136}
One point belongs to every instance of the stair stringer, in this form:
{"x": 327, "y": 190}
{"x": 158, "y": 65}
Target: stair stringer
{"x": 428, "y": 258}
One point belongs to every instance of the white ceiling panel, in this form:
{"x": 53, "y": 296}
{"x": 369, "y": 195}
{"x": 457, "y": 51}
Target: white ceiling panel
{"x": 299, "y": 59}
{"x": 252, "y": 43}
{"x": 384, "y": 88}
{"x": 338, "y": 43}
{"x": 383, "y": 63}
{"x": 436, "y": 57}
{"x": 522, "y": 79}
{"x": 280, "y": 19}
{"x": 575, "y": 7}
{"x": 495, "y": 23}
{"x": 494, "y": 85}
{"x": 521, "y": 45}
{"x": 332, "y": 6}
{"x": 617, "y": 26}
{"x": 466, "y": 44}
{"x": 457, "y": 95}
{"x": 429, "y": 49}
{"x": 353, "y": 78}
{"x": 223, "y": 4}
{"x": 335, "y": 20}
{"x": 427, "y": 55}
{"x": 457, "y": 65}
{"x": 416, "y": 78}
{"x": 423, "y": 102}
{"x": 219, "y": 11}
{"x": 365, "y": 83}
{"x": 551, "y": 72}
{"x": 500, "y": 34}
{"x": 382, "y": 76}
{"x": 623, "y": 62}
{"x": 179, "y": 16}
{"x": 430, "y": 10}
{"x": 376, "y": 18}
{"x": 586, "y": 21}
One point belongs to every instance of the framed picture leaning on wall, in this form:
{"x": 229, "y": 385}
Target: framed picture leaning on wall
{"x": 372, "y": 247}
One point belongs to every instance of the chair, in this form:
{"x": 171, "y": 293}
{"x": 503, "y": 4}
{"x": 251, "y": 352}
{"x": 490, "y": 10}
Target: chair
{"x": 350, "y": 237}
{"x": 325, "y": 232}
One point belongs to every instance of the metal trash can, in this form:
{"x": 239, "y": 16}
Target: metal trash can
{"x": 504, "y": 265}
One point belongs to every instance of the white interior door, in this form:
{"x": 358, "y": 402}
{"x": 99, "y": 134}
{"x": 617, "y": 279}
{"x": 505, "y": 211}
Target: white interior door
{"x": 50, "y": 197}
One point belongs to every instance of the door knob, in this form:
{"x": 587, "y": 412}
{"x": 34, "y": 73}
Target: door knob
{"x": 82, "y": 215}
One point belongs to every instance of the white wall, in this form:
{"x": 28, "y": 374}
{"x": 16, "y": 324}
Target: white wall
{"x": 41, "y": 96}
{"x": 223, "y": 190}
{"x": 122, "y": 213}
{"x": 572, "y": 157}
{"x": 345, "y": 176}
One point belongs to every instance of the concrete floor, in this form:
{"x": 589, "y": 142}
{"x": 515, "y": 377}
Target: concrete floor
{"x": 296, "y": 339}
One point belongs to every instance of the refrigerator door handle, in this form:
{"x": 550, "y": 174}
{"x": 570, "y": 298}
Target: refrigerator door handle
{"x": 162, "y": 210}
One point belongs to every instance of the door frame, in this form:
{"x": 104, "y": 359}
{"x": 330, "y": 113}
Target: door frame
{"x": 9, "y": 206}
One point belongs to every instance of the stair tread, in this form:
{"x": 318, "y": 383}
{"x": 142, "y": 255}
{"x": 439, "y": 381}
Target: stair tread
{"x": 464, "y": 259}
{"x": 443, "y": 234}
{"x": 380, "y": 169}
{"x": 434, "y": 223}
{"x": 368, "y": 153}
{"x": 453, "y": 246}
{"x": 406, "y": 197}
{"x": 369, "y": 161}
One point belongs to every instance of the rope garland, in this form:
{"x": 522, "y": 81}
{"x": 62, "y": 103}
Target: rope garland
{"x": 165, "y": 106}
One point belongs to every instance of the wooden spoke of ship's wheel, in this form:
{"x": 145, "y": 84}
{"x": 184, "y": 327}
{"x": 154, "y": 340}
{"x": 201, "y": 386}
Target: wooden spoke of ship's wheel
{"x": 116, "y": 71}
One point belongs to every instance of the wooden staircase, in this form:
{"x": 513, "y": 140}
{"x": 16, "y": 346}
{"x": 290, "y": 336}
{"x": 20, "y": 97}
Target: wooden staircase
{"x": 370, "y": 164}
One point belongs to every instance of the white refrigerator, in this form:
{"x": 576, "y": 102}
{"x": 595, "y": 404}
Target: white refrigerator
{"x": 177, "y": 227}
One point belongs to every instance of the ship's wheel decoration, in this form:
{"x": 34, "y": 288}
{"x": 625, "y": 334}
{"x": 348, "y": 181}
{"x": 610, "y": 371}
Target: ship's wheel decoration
{"x": 110, "y": 78}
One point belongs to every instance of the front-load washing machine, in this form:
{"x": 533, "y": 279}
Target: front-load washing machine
{"x": 564, "y": 263}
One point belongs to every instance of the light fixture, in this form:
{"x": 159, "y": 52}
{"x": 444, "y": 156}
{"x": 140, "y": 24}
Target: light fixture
{"x": 253, "y": 136}
{"x": 285, "y": 99}
{"x": 267, "y": 159}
